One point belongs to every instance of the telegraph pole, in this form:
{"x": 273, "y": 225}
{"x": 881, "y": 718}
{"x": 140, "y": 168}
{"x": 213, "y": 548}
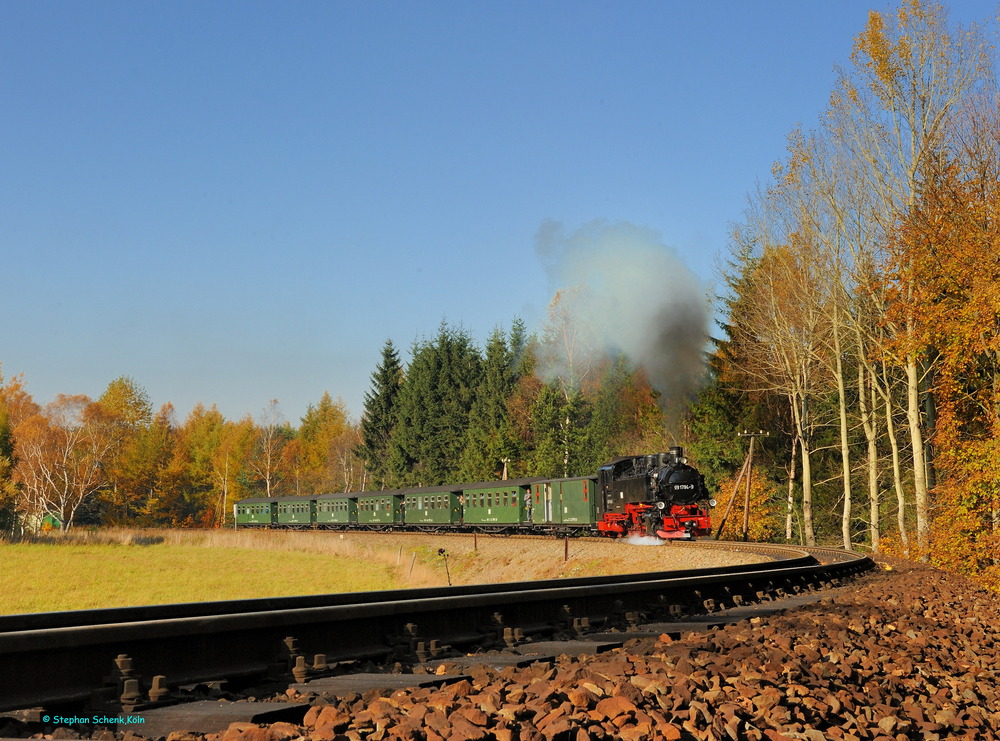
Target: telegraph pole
{"x": 749, "y": 472}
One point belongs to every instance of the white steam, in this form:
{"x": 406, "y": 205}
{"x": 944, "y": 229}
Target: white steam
{"x": 644, "y": 540}
{"x": 620, "y": 289}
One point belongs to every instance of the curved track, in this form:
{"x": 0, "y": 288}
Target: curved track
{"x": 61, "y": 659}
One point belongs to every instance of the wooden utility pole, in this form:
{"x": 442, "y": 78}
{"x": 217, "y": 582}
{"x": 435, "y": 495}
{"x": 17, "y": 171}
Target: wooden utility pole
{"x": 749, "y": 472}
{"x": 732, "y": 498}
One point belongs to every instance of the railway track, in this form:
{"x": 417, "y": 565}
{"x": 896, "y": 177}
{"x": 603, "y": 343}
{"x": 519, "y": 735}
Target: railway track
{"x": 107, "y": 659}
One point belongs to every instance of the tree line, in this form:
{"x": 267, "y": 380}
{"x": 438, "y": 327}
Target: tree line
{"x": 862, "y": 304}
{"x": 113, "y": 461}
{"x": 453, "y": 413}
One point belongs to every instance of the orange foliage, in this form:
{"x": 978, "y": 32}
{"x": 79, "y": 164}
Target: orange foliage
{"x": 765, "y": 508}
{"x": 948, "y": 293}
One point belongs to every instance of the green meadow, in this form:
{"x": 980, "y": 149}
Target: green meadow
{"x": 70, "y": 573}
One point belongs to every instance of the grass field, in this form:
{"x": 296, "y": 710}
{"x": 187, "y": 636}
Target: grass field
{"x": 121, "y": 568}
{"x": 114, "y": 568}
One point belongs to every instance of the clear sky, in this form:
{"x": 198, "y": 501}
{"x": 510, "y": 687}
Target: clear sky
{"x": 233, "y": 202}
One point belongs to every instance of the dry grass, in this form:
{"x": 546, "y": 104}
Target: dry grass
{"x": 110, "y": 568}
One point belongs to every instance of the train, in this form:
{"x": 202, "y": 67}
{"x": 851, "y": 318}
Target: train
{"x": 657, "y": 495}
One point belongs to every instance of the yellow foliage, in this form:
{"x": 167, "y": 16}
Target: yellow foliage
{"x": 766, "y": 499}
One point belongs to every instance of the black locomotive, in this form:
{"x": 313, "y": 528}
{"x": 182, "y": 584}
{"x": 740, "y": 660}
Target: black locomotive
{"x": 654, "y": 495}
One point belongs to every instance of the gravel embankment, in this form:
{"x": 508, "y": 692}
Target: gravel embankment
{"x": 910, "y": 653}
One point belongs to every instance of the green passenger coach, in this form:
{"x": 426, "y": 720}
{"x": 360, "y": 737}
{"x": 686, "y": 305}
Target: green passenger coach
{"x": 258, "y": 511}
{"x": 564, "y": 502}
{"x": 498, "y": 503}
{"x": 428, "y": 508}
{"x": 380, "y": 509}
{"x": 333, "y": 510}
{"x": 297, "y": 512}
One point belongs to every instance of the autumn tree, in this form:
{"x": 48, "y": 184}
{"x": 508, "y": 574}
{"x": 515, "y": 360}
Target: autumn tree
{"x": 910, "y": 76}
{"x": 311, "y": 453}
{"x": 8, "y": 461}
{"x": 15, "y": 405}
{"x": 347, "y": 471}
{"x": 782, "y": 327}
{"x": 62, "y": 451}
{"x": 130, "y": 467}
{"x": 946, "y": 283}
{"x": 520, "y": 405}
{"x": 229, "y": 464}
{"x": 273, "y": 434}
{"x": 183, "y": 488}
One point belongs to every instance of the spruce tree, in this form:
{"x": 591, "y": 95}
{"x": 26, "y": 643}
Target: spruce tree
{"x": 490, "y": 441}
{"x": 433, "y": 411}
{"x": 378, "y": 421}
{"x": 607, "y": 425}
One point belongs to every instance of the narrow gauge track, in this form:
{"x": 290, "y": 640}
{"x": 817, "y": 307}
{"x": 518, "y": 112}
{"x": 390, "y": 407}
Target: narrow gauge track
{"x": 68, "y": 659}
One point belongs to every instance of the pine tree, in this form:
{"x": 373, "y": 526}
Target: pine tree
{"x": 378, "y": 420}
{"x": 490, "y": 443}
{"x": 434, "y": 405}
{"x": 608, "y": 421}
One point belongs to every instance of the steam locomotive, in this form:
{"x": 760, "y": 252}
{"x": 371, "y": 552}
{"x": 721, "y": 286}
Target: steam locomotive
{"x": 656, "y": 495}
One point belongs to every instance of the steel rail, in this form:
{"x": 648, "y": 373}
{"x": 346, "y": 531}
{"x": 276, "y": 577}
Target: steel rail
{"x": 68, "y": 656}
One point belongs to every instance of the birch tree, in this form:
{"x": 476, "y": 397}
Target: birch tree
{"x": 62, "y": 451}
{"x": 781, "y": 330}
{"x": 909, "y": 76}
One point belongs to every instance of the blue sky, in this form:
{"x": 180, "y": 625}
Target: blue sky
{"x": 233, "y": 202}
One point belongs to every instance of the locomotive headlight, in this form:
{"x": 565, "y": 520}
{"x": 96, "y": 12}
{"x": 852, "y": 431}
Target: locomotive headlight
{"x": 661, "y": 505}
{"x": 712, "y": 502}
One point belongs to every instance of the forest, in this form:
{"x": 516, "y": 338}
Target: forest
{"x": 858, "y": 312}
